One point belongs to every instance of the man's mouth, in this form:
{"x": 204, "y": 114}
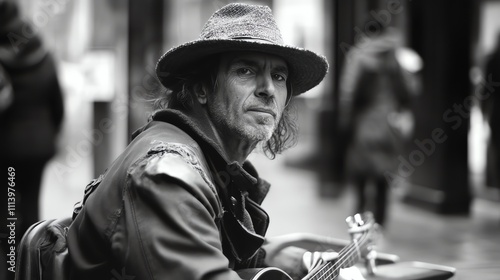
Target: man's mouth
{"x": 263, "y": 110}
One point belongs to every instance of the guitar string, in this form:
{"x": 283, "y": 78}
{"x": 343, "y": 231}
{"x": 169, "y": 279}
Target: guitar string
{"x": 342, "y": 260}
{"x": 347, "y": 259}
{"x": 346, "y": 250}
{"x": 332, "y": 271}
{"x": 357, "y": 248}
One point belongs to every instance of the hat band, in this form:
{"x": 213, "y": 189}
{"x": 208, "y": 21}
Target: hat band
{"x": 253, "y": 39}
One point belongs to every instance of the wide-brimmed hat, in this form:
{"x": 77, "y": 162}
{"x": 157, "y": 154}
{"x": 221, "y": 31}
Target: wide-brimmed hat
{"x": 243, "y": 27}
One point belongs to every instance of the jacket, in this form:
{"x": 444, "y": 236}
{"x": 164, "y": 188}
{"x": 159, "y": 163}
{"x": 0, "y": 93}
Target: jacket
{"x": 170, "y": 207}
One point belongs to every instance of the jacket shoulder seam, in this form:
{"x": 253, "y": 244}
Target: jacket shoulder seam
{"x": 189, "y": 156}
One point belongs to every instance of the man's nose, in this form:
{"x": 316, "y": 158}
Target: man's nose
{"x": 265, "y": 87}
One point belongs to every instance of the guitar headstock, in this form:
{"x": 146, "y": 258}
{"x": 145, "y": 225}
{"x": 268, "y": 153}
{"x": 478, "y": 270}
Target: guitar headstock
{"x": 360, "y": 222}
{"x": 364, "y": 232}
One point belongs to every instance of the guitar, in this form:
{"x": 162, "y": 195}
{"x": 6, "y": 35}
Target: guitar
{"x": 363, "y": 231}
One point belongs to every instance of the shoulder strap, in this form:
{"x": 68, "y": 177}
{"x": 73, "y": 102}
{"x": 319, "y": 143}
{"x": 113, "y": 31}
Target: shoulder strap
{"x": 89, "y": 189}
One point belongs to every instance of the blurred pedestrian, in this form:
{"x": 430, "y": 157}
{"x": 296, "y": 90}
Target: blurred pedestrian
{"x": 491, "y": 110}
{"x": 375, "y": 115}
{"x": 30, "y": 118}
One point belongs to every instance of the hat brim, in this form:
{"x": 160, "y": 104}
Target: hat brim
{"x": 307, "y": 69}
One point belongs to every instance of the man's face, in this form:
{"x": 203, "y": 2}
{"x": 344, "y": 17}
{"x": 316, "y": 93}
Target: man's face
{"x": 250, "y": 95}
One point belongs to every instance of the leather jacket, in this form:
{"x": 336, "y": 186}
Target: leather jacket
{"x": 170, "y": 207}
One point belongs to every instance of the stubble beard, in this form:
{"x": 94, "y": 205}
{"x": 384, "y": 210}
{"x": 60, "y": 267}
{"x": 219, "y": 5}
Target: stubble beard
{"x": 232, "y": 128}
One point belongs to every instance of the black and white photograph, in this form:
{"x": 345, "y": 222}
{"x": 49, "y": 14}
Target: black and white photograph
{"x": 250, "y": 139}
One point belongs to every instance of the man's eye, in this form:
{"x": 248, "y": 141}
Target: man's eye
{"x": 244, "y": 71}
{"x": 280, "y": 77}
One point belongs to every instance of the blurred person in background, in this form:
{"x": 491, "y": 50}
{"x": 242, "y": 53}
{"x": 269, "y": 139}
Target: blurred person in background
{"x": 182, "y": 201}
{"x": 375, "y": 94}
{"x": 491, "y": 109}
{"x": 31, "y": 113}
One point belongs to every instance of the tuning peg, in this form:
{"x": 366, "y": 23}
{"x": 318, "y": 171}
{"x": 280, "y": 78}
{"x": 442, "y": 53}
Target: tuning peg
{"x": 358, "y": 219}
{"x": 350, "y": 222}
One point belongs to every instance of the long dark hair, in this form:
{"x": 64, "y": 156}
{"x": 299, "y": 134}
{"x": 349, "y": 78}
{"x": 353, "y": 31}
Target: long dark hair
{"x": 180, "y": 97}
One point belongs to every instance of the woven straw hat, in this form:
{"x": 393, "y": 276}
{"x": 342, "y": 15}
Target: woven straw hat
{"x": 243, "y": 27}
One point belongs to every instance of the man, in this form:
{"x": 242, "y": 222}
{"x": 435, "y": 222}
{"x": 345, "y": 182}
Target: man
{"x": 491, "y": 110}
{"x": 182, "y": 202}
